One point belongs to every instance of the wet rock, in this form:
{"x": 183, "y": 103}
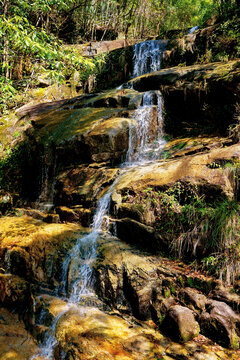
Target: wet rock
{"x": 15, "y": 342}
{"x": 34, "y": 249}
{"x": 139, "y": 284}
{"x": 154, "y": 80}
{"x": 137, "y": 233}
{"x": 86, "y": 332}
{"x": 98, "y": 335}
{"x": 46, "y": 309}
{"x": 39, "y": 215}
{"x": 207, "y": 104}
{"x": 221, "y": 324}
{"x": 83, "y": 185}
{"x": 180, "y": 324}
{"x": 74, "y": 214}
{"x": 91, "y": 334}
{"x": 116, "y": 98}
{"x": 39, "y": 332}
{"x": 146, "y": 202}
{"x": 109, "y": 140}
{"x": 118, "y": 278}
{"x": 196, "y": 168}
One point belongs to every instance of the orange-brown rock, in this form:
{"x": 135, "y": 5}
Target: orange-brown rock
{"x": 33, "y": 249}
{"x": 15, "y": 342}
{"x": 202, "y": 168}
{"x": 84, "y": 184}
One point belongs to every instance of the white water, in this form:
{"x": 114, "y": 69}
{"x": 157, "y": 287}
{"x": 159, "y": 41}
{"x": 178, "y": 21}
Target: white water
{"x": 85, "y": 250}
{"x": 193, "y": 29}
{"x": 45, "y": 201}
{"x": 145, "y": 143}
{"x": 148, "y": 56}
{"x": 146, "y": 135}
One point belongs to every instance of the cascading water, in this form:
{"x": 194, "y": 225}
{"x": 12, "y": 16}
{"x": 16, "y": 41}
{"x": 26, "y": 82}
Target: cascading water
{"x": 145, "y": 143}
{"x": 146, "y": 135}
{"x": 45, "y": 201}
{"x": 85, "y": 250}
{"x": 193, "y": 29}
{"x": 148, "y": 56}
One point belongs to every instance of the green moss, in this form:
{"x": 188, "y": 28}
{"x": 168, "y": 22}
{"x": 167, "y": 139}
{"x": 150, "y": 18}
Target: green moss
{"x": 62, "y": 126}
{"x": 167, "y": 293}
{"x": 234, "y": 341}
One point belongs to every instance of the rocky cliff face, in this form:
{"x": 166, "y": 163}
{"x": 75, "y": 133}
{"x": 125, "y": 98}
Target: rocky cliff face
{"x": 171, "y": 269}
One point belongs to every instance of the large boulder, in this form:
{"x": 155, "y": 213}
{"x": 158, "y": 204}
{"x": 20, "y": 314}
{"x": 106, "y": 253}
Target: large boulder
{"x": 193, "y": 298}
{"x": 92, "y": 333}
{"x": 147, "y": 199}
{"x": 142, "y": 284}
{"x": 83, "y": 185}
{"x": 88, "y": 332}
{"x": 75, "y": 214}
{"x": 180, "y": 323}
{"x": 200, "y": 169}
{"x": 109, "y": 140}
{"x": 208, "y": 91}
{"x": 135, "y": 232}
{"x": 221, "y": 324}
{"x": 33, "y": 249}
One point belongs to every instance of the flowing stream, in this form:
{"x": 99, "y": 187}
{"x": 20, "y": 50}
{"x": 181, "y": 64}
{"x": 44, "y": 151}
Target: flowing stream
{"x": 145, "y": 144}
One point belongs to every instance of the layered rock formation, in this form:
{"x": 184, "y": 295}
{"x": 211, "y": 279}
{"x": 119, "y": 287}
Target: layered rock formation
{"x": 181, "y": 203}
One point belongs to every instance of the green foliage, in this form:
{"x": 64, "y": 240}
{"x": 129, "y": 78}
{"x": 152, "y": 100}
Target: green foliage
{"x": 225, "y": 41}
{"x": 37, "y": 51}
{"x": 181, "y": 14}
{"x": 195, "y": 225}
{"x": 7, "y": 92}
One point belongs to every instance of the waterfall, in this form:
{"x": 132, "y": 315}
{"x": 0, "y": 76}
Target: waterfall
{"x": 145, "y": 143}
{"x": 148, "y": 56}
{"x": 146, "y": 134}
{"x": 45, "y": 201}
{"x": 85, "y": 250}
{"x": 193, "y": 29}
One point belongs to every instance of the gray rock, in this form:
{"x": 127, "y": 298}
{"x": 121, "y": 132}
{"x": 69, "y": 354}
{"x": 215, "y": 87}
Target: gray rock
{"x": 180, "y": 324}
{"x": 193, "y": 298}
{"x": 221, "y": 324}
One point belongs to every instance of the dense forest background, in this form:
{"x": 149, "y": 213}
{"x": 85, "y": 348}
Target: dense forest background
{"x": 32, "y": 33}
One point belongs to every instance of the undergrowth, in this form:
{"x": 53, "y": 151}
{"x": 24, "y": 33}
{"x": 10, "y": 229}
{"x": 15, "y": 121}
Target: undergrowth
{"x": 196, "y": 225}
